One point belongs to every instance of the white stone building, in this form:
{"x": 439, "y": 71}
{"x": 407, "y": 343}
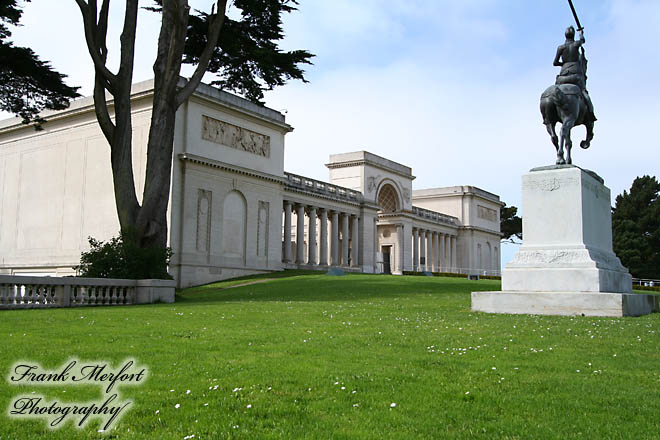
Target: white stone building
{"x": 233, "y": 209}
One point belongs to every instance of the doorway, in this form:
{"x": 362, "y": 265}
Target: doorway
{"x": 387, "y": 268}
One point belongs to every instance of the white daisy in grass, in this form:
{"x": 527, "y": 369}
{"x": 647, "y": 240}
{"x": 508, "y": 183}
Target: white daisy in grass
{"x": 392, "y": 405}
{"x": 177, "y": 406}
{"x": 249, "y": 406}
{"x": 187, "y": 391}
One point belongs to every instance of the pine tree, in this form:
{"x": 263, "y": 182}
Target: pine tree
{"x": 27, "y": 84}
{"x": 636, "y": 228}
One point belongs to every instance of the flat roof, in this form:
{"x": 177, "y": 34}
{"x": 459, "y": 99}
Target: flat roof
{"x": 146, "y": 88}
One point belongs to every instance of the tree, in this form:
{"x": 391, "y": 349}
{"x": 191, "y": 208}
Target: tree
{"x": 27, "y": 84}
{"x": 636, "y": 228}
{"x": 243, "y": 53}
{"x": 510, "y": 224}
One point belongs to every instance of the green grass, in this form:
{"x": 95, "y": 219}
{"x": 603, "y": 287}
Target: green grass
{"x": 325, "y": 357}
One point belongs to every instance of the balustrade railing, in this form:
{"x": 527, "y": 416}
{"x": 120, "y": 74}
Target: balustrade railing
{"x": 25, "y": 292}
{"x": 434, "y": 216}
{"x": 320, "y": 187}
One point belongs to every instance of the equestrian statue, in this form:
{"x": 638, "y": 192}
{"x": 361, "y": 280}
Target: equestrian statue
{"x": 568, "y": 101}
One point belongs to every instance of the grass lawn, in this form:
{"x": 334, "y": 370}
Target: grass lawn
{"x": 360, "y": 356}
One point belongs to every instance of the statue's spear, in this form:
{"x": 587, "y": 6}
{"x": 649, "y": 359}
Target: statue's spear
{"x": 577, "y": 20}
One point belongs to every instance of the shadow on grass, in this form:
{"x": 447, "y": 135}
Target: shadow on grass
{"x": 317, "y": 286}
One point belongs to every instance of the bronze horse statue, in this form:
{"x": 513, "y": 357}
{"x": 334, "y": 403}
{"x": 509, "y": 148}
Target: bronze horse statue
{"x": 565, "y": 103}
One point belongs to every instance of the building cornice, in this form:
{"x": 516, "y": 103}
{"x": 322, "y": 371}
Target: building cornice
{"x": 360, "y": 162}
{"x": 192, "y": 158}
{"x": 480, "y": 229}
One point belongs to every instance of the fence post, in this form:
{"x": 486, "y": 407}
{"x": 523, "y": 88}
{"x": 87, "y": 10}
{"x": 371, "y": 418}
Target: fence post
{"x": 64, "y": 295}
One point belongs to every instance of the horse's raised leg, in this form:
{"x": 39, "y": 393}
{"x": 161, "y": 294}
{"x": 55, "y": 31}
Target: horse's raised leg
{"x": 590, "y": 135}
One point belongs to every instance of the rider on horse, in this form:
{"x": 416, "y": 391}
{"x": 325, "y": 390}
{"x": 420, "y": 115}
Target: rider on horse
{"x": 570, "y": 56}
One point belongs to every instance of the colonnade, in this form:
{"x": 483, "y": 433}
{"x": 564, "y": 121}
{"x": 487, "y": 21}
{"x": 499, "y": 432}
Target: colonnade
{"x": 433, "y": 251}
{"x": 335, "y": 247}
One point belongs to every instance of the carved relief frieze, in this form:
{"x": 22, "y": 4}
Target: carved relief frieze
{"x": 232, "y": 136}
{"x": 372, "y": 183}
{"x": 557, "y": 257}
{"x": 550, "y": 184}
{"x": 486, "y": 213}
{"x": 406, "y": 194}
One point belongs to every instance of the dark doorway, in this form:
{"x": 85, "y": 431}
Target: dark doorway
{"x": 387, "y": 268}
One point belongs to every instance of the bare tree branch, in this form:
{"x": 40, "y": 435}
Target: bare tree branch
{"x": 214, "y": 32}
{"x": 89, "y": 21}
{"x": 127, "y": 38}
{"x": 100, "y": 84}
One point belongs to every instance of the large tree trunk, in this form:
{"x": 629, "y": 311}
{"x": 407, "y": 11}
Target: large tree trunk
{"x": 149, "y": 221}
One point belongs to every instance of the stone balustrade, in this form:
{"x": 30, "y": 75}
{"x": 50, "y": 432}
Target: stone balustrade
{"x": 322, "y": 188}
{"x": 23, "y": 292}
{"x": 433, "y": 216}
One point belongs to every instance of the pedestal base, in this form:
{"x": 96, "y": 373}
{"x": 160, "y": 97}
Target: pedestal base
{"x": 566, "y": 265}
{"x": 565, "y": 303}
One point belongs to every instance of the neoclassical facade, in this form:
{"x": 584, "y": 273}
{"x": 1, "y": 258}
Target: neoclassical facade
{"x": 233, "y": 209}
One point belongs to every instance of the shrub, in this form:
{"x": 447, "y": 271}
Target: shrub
{"x": 648, "y": 288}
{"x": 121, "y": 257}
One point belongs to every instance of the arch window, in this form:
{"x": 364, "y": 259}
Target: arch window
{"x": 388, "y": 199}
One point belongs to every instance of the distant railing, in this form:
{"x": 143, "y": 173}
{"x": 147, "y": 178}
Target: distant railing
{"x": 437, "y": 217}
{"x": 645, "y": 282}
{"x": 324, "y": 188}
{"x": 27, "y": 292}
{"x": 464, "y": 271}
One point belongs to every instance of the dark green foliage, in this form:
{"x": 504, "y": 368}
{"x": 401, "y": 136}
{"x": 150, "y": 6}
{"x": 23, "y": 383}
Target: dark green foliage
{"x": 121, "y": 257}
{"x": 247, "y": 58}
{"x": 648, "y": 288}
{"x": 510, "y": 223}
{"x": 636, "y": 228}
{"x": 27, "y": 84}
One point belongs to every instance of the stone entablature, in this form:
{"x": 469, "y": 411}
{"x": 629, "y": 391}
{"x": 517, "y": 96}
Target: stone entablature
{"x": 361, "y": 158}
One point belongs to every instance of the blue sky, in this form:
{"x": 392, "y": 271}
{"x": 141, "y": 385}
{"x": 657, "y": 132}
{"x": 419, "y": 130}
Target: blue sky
{"x": 450, "y": 88}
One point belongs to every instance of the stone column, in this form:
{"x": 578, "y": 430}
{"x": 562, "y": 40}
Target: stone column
{"x": 400, "y": 251}
{"x": 344, "y": 240}
{"x": 334, "y": 239}
{"x": 429, "y": 250}
{"x": 422, "y": 250}
{"x": 441, "y": 240}
{"x": 453, "y": 252}
{"x": 448, "y": 252}
{"x": 415, "y": 234}
{"x": 323, "y": 260}
{"x": 300, "y": 234}
{"x": 376, "y": 267}
{"x": 311, "y": 237}
{"x": 355, "y": 237}
{"x": 287, "y": 231}
{"x": 434, "y": 245}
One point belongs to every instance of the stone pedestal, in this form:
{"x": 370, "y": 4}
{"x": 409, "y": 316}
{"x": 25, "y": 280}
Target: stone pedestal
{"x": 566, "y": 265}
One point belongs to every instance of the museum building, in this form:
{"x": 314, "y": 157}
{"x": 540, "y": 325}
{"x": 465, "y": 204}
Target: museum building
{"x": 233, "y": 209}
